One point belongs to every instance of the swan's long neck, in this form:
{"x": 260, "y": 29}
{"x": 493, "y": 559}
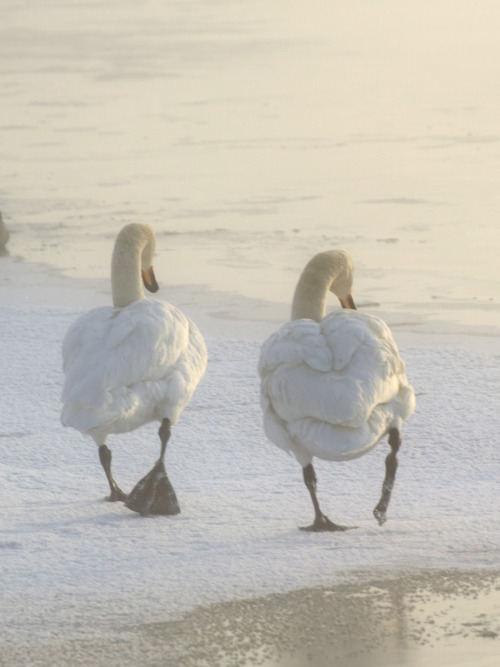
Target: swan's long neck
{"x": 309, "y": 300}
{"x": 126, "y": 281}
{"x": 327, "y": 271}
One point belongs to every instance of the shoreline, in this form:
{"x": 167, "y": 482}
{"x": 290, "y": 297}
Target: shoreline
{"x": 423, "y": 617}
{"x": 225, "y": 314}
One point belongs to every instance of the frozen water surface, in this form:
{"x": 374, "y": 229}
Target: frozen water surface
{"x": 251, "y": 135}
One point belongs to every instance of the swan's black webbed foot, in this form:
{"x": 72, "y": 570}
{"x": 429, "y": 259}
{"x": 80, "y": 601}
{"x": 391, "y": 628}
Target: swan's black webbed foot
{"x": 391, "y": 465}
{"x": 380, "y": 515}
{"x": 116, "y": 495}
{"x": 154, "y": 494}
{"x": 323, "y": 524}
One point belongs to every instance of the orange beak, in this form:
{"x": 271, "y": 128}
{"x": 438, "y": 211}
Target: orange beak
{"x": 149, "y": 280}
{"x": 348, "y": 302}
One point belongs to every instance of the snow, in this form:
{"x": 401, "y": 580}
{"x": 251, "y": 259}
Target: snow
{"x": 76, "y": 565}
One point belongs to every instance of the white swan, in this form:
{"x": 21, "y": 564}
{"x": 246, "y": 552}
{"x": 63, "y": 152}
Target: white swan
{"x": 4, "y": 236}
{"x": 131, "y": 364}
{"x": 333, "y": 386}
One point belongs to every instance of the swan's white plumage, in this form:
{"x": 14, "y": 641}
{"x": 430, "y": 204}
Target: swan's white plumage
{"x": 126, "y": 366}
{"x": 333, "y": 388}
{"x": 4, "y": 234}
{"x": 146, "y": 360}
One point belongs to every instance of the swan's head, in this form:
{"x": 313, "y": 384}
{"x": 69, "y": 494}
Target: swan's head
{"x": 132, "y": 260}
{"x": 147, "y": 256}
{"x": 327, "y": 271}
{"x": 342, "y": 269}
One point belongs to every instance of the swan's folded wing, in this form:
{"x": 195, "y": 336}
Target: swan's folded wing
{"x": 108, "y": 350}
{"x": 275, "y": 428}
{"x": 365, "y": 370}
{"x": 296, "y": 342}
{"x": 335, "y": 442}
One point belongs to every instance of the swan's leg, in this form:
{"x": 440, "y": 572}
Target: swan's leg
{"x": 391, "y": 464}
{"x": 164, "y": 432}
{"x": 105, "y": 459}
{"x": 154, "y": 494}
{"x": 321, "y": 521}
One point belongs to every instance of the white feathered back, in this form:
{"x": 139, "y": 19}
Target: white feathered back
{"x": 145, "y": 359}
{"x": 332, "y": 389}
{"x": 133, "y": 363}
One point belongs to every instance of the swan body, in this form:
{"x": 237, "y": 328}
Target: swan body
{"x": 133, "y": 363}
{"x": 334, "y": 388}
{"x": 147, "y": 360}
{"x": 4, "y": 235}
{"x": 331, "y": 386}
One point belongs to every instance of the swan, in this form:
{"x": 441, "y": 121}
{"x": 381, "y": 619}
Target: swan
{"x": 4, "y": 236}
{"x": 130, "y": 364}
{"x": 333, "y": 386}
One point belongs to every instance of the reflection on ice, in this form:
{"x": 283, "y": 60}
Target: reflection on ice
{"x": 438, "y": 619}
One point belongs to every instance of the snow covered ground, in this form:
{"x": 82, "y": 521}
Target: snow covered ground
{"x": 76, "y": 565}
